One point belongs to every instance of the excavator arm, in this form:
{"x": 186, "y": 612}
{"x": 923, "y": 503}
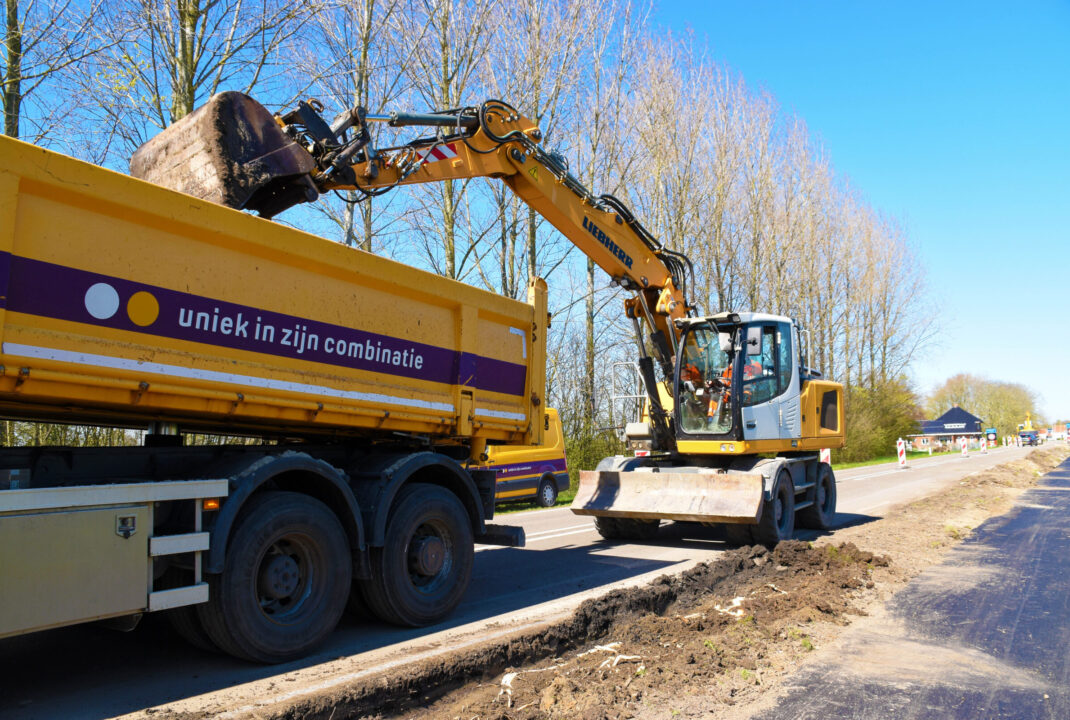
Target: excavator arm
{"x": 249, "y": 159}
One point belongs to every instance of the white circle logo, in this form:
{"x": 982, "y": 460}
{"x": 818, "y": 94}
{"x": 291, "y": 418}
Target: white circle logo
{"x": 101, "y": 301}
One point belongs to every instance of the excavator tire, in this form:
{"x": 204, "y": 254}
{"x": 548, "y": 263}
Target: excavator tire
{"x": 608, "y": 528}
{"x": 822, "y": 513}
{"x": 626, "y": 528}
{"x": 777, "y": 521}
{"x": 739, "y": 534}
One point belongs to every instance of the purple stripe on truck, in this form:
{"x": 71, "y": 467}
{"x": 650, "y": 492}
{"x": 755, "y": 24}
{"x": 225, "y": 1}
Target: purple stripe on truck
{"x": 511, "y": 470}
{"x": 64, "y": 293}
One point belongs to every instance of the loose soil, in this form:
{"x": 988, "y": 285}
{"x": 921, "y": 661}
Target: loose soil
{"x": 716, "y": 641}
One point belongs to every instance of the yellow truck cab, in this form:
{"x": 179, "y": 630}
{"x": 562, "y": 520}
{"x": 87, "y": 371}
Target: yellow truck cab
{"x": 531, "y": 472}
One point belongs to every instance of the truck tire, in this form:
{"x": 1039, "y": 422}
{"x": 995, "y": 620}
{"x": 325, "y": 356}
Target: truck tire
{"x": 822, "y": 513}
{"x": 547, "y": 492}
{"x": 184, "y": 620}
{"x": 285, "y": 581}
{"x": 777, "y": 521}
{"x": 626, "y": 528}
{"x": 187, "y": 624}
{"x": 423, "y": 569}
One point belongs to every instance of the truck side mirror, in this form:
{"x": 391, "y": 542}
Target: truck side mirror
{"x": 725, "y": 341}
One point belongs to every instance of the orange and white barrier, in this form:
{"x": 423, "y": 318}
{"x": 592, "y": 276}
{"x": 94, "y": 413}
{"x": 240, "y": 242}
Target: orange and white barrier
{"x": 825, "y": 456}
{"x": 901, "y": 451}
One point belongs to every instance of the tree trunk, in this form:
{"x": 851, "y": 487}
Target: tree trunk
{"x": 13, "y": 70}
{"x": 189, "y": 13}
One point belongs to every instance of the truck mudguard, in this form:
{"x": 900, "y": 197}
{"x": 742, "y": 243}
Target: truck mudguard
{"x": 381, "y": 480}
{"x": 294, "y": 471}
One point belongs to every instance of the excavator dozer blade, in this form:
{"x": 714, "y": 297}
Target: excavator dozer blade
{"x": 230, "y": 151}
{"x": 692, "y": 496}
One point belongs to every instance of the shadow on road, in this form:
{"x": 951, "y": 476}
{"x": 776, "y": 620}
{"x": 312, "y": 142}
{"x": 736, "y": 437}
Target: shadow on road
{"x": 91, "y": 672}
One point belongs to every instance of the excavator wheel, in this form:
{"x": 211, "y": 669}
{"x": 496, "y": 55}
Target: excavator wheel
{"x": 626, "y": 528}
{"x": 822, "y": 513}
{"x": 739, "y": 534}
{"x": 777, "y": 521}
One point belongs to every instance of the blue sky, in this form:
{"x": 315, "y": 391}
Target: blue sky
{"x": 955, "y": 118}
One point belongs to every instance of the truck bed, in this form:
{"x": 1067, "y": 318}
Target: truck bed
{"x": 124, "y": 303}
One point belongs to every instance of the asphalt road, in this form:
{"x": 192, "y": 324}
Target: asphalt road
{"x": 984, "y": 634}
{"x": 91, "y": 672}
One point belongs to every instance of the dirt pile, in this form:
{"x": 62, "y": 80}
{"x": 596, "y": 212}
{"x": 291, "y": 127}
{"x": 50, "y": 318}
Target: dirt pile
{"x": 716, "y": 625}
{"x": 718, "y": 636}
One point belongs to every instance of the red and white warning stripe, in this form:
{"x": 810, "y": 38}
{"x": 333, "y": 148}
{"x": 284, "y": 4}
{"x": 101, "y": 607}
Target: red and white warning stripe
{"x": 825, "y": 456}
{"x": 965, "y": 445}
{"x": 901, "y": 451}
{"x": 446, "y": 151}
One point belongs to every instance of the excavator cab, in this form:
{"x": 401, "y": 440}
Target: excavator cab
{"x": 749, "y": 384}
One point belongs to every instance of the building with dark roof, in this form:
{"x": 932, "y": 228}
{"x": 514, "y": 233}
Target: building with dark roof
{"x": 955, "y": 423}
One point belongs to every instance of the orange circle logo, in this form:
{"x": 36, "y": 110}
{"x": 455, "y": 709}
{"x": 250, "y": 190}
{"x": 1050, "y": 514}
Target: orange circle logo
{"x": 143, "y": 308}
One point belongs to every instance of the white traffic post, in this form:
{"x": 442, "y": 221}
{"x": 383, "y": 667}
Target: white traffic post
{"x": 984, "y": 445}
{"x": 965, "y": 445}
{"x": 930, "y": 449}
{"x": 825, "y": 456}
{"x": 901, "y": 451}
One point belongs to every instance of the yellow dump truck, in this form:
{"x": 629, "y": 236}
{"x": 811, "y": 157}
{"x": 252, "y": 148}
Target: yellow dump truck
{"x": 368, "y": 387}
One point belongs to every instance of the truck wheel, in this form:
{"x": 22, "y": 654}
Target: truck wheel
{"x": 188, "y": 625}
{"x": 821, "y": 514}
{"x": 420, "y": 574}
{"x": 286, "y": 577}
{"x": 777, "y": 521}
{"x": 184, "y": 620}
{"x": 547, "y": 495}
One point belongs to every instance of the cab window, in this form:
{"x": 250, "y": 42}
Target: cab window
{"x": 704, "y": 382}
{"x": 767, "y": 373}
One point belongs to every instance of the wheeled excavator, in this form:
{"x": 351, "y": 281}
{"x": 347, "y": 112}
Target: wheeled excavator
{"x": 734, "y": 418}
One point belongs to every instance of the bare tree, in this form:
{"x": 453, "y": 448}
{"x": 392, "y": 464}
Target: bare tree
{"x": 43, "y": 40}
{"x": 443, "y": 73}
{"x": 169, "y": 56}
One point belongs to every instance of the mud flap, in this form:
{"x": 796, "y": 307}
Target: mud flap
{"x": 693, "y": 496}
{"x": 229, "y": 151}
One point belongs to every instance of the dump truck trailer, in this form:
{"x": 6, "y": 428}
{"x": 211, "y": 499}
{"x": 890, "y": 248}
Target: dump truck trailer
{"x": 363, "y": 387}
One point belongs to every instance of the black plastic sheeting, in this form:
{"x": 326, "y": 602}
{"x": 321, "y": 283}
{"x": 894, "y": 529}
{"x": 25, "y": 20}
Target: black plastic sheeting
{"x": 985, "y": 634}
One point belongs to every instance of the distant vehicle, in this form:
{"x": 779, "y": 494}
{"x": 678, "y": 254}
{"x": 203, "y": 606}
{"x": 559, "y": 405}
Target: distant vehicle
{"x": 531, "y": 472}
{"x": 1029, "y": 437}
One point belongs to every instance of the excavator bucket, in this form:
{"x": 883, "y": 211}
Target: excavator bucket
{"x": 707, "y": 497}
{"x": 230, "y": 151}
